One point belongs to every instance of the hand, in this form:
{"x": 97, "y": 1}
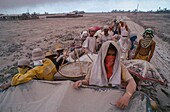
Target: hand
{"x": 5, "y": 86}
{"x": 77, "y": 84}
{"x": 123, "y": 102}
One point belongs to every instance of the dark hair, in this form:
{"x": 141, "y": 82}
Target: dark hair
{"x": 112, "y": 47}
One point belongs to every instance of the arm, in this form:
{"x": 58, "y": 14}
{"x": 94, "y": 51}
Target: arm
{"x": 123, "y": 102}
{"x": 127, "y": 29}
{"x": 119, "y": 32}
{"x": 112, "y": 26}
{"x": 130, "y": 88}
{"x": 152, "y": 51}
{"x": 5, "y": 86}
{"x": 85, "y": 81}
{"x": 78, "y": 84}
{"x": 23, "y": 78}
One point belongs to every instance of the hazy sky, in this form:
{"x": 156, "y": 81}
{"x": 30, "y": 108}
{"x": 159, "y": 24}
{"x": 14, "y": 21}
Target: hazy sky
{"x": 60, "y": 6}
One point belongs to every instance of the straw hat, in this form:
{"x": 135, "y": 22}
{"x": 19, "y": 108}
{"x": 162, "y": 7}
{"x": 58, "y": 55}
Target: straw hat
{"x": 24, "y": 62}
{"x": 58, "y": 47}
{"x": 37, "y": 54}
{"x": 49, "y": 53}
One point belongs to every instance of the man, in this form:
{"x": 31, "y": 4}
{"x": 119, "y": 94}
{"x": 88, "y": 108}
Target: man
{"x": 123, "y": 27}
{"x": 124, "y": 45}
{"x": 44, "y": 69}
{"x": 90, "y": 43}
{"x": 84, "y": 34}
{"x": 50, "y": 55}
{"x": 23, "y": 67}
{"x": 61, "y": 54}
{"x": 107, "y": 70}
{"x": 105, "y": 35}
{"x": 115, "y": 27}
{"x": 146, "y": 46}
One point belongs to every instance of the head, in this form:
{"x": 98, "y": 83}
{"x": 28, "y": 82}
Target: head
{"x": 38, "y": 56}
{"x": 114, "y": 20}
{"x": 59, "y": 48}
{"x": 92, "y": 31}
{"x": 122, "y": 22}
{"x": 84, "y": 35}
{"x": 105, "y": 29}
{"x": 125, "y": 35}
{"x": 98, "y": 34}
{"x": 148, "y": 33}
{"x": 110, "y": 55}
{"x": 23, "y": 66}
{"x": 50, "y": 55}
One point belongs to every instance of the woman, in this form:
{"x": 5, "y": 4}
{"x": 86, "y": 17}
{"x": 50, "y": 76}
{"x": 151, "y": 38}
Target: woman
{"x": 146, "y": 46}
{"x": 107, "y": 70}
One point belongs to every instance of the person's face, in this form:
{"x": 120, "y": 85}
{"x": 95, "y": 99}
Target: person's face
{"x": 60, "y": 52}
{"x": 110, "y": 58}
{"x": 121, "y": 22}
{"x": 147, "y": 35}
{"x": 111, "y": 52}
{"x": 23, "y": 66}
{"x": 91, "y": 33}
{"x": 22, "y": 69}
{"x": 106, "y": 31}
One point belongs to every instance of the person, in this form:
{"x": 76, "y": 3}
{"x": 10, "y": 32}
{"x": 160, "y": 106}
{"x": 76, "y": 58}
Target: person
{"x": 89, "y": 44}
{"x": 146, "y": 46}
{"x": 105, "y": 35}
{"x": 61, "y": 54}
{"x": 23, "y": 67}
{"x": 124, "y": 43}
{"x": 83, "y": 35}
{"x": 115, "y": 27}
{"x": 50, "y": 55}
{"x": 134, "y": 44}
{"x": 123, "y": 27}
{"x": 43, "y": 69}
{"x": 107, "y": 70}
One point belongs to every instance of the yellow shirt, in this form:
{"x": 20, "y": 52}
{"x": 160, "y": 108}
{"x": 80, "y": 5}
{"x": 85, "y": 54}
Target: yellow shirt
{"x": 44, "y": 72}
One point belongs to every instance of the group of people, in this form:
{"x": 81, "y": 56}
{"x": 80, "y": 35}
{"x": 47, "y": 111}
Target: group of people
{"x": 113, "y": 44}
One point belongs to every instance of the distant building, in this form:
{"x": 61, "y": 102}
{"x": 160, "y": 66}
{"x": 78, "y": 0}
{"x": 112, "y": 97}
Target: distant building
{"x": 24, "y": 16}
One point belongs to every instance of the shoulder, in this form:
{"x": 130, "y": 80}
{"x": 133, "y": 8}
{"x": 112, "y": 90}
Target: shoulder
{"x": 153, "y": 42}
{"x": 140, "y": 40}
{"x": 125, "y": 73}
{"x": 47, "y": 60}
